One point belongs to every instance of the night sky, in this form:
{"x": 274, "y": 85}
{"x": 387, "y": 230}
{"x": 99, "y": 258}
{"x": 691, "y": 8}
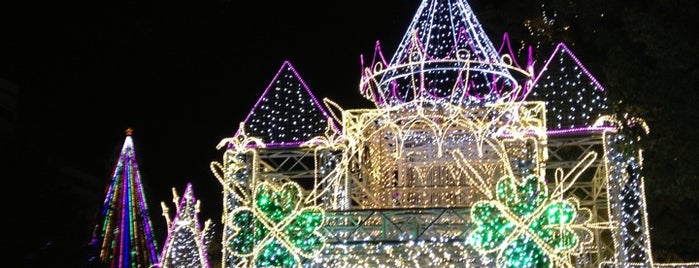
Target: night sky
{"x": 182, "y": 75}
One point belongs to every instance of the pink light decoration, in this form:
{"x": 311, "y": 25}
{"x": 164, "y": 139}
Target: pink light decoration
{"x": 579, "y": 131}
{"x": 567, "y": 132}
{"x": 378, "y": 57}
{"x": 506, "y": 44}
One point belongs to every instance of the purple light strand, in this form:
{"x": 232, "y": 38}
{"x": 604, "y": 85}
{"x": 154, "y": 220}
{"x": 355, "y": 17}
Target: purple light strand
{"x": 287, "y": 64}
{"x": 575, "y": 59}
{"x": 142, "y": 205}
{"x": 563, "y": 132}
{"x": 123, "y": 214}
{"x": 581, "y": 130}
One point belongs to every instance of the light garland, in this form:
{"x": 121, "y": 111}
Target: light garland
{"x": 421, "y": 138}
{"x": 330, "y": 188}
{"x": 236, "y": 175}
{"x": 445, "y": 54}
{"x": 627, "y": 196}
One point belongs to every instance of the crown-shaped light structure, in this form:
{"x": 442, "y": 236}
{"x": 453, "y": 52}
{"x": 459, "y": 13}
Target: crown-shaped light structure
{"x": 574, "y": 98}
{"x": 444, "y": 55}
{"x": 287, "y": 113}
{"x": 186, "y": 243}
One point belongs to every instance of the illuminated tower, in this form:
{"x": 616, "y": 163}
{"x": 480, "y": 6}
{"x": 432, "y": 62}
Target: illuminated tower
{"x": 444, "y": 55}
{"x": 124, "y": 234}
{"x": 267, "y": 219}
{"x": 186, "y": 243}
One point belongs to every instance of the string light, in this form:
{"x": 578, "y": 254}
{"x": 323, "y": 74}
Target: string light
{"x": 187, "y": 242}
{"x": 441, "y": 56}
{"x": 125, "y": 236}
{"x": 276, "y": 231}
{"x": 287, "y": 113}
{"x": 574, "y": 98}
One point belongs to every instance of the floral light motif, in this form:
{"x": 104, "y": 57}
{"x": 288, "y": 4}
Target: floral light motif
{"x": 526, "y": 226}
{"x": 276, "y": 231}
{"x": 330, "y": 168}
{"x": 233, "y": 165}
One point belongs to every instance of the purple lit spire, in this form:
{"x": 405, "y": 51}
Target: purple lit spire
{"x": 186, "y": 244}
{"x": 287, "y": 113}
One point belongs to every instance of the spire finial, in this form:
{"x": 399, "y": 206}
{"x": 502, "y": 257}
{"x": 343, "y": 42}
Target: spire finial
{"x": 129, "y": 131}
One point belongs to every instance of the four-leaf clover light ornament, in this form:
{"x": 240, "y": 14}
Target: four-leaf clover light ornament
{"x": 275, "y": 230}
{"x": 526, "y": 226}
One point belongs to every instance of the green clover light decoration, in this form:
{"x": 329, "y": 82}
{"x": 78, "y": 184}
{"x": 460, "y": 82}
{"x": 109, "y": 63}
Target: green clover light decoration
{"x": 275, "y": 230}
{"x": 526, "y": 226}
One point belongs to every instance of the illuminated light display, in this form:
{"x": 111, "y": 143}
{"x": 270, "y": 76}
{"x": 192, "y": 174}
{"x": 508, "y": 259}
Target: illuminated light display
{"x": 574, "y": 98}
{"x": 329, "y": 187}
{"x": 468, "y": 159}
{"x": 187, "y": 242}
{"x": 446, "y": 52}
{"x": 125, "y": 235}
{"x": 287, "y": 113}
{"x": 236, "y": 176}
{"x": 276, "y": 231}
{"x": 526, "y": 226}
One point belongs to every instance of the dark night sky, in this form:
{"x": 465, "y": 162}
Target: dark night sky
{"x": 181, "y": 74}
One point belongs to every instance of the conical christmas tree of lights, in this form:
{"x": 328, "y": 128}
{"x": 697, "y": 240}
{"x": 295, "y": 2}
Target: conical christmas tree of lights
{"x": 186, "y": 242}
{"x": 124, "y": 236}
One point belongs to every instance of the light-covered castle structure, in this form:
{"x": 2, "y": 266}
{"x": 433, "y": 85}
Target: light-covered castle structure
{"x": 468, "y": 159}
